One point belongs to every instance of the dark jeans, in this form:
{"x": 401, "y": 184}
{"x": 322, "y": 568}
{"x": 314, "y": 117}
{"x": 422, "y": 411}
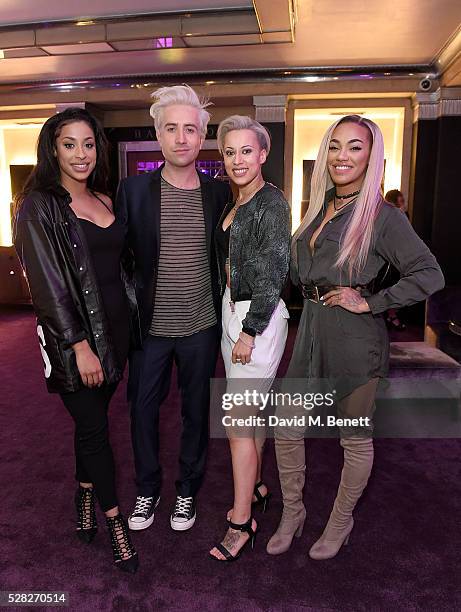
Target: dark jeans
{"x": 94, "y": 461}
{"x": 150, "y": 376}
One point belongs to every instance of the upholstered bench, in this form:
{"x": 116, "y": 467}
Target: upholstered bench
{"x": 420, "y": 360}
{"x": 441, "y": 309}
{"x": 421, "y": 398}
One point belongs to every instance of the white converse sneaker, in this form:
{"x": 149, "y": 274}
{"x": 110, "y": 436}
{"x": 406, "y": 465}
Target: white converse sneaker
{"x": 142, "y": 516}
{"x": 184, "y": 514}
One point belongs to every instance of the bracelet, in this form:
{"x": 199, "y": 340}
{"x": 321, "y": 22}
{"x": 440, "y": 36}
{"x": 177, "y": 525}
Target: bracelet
{"x": 245, "y": 342}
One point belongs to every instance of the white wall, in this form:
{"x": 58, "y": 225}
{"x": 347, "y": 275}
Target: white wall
{"x": 17, "y": 146}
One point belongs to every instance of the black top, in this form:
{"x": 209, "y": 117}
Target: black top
{"x": 105, "y": 245}
{"x": 222, "y": 239}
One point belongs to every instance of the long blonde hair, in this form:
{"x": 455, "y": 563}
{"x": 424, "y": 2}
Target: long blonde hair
{"x": 357, "y": 237}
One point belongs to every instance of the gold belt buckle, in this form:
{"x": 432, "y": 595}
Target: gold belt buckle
{"x": 311, "y": 293}
{"x": 316, "y": 298}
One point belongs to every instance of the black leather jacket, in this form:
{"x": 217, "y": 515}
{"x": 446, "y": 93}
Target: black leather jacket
{"x": 259, "y": 254}
{"x": 54, "y": 254}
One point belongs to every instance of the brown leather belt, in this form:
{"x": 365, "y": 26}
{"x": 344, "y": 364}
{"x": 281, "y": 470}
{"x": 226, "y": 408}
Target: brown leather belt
{"x": 313, "y": 293}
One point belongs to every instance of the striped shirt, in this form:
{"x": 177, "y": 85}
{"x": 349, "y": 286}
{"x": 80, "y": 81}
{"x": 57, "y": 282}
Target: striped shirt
{"x": 183, "y": 298}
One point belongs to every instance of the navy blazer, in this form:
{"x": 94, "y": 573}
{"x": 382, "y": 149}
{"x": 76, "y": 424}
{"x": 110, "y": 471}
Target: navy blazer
{"x": 137, "y": 206}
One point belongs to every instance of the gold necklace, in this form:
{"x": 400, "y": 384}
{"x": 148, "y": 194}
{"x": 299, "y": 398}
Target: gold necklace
{"x": 231, "y": 215}
{"x": 248, "y": 198}
{"x": 237, "y": 204}
{"x": 233, "y": 212}
{"x": 337, "y": 210}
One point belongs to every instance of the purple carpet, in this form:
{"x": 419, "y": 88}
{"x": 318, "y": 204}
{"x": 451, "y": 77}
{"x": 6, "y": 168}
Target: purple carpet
{"x": 403, "y": 554}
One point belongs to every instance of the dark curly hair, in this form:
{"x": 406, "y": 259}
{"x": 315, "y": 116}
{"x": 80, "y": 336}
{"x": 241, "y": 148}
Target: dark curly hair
{"x": 46, "y": 174}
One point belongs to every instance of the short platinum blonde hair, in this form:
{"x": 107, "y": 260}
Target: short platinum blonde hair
{"x": 243, "y": 122}
{"x": 178, "y": 94}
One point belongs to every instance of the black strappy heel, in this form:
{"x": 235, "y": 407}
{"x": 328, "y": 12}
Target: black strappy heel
{"x": 245, "y": 527}
{"x": 261, "y": 500}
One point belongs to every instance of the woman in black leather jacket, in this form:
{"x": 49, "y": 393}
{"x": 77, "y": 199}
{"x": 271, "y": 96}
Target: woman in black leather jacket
{"x": 253, "y": 245}
{"x": 70, "y": 247}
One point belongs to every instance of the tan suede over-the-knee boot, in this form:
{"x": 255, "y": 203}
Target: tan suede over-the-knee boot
{"x": 358, "y": 461}
{"x": 291, "y": 462}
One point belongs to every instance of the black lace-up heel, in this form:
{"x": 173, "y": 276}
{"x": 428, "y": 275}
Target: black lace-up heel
{"x": 87, "y": 526}
{"x": 125, "y": 556}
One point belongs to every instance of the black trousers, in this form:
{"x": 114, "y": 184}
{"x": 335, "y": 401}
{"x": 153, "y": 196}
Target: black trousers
{"x": 150, "y": 376}
{"x": 94, "y": 461}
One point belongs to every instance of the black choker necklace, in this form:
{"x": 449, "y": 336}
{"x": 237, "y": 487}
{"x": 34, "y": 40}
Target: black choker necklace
{"x": 349, "y": 195}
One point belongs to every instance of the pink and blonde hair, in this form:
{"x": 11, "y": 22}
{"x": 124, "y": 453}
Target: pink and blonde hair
{"x": 357, "y": 237}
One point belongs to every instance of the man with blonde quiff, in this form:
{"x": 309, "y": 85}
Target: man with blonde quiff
{"x": 170, "y": 215}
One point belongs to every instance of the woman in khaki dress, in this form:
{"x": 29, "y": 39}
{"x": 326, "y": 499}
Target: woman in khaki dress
{"x": 348, "y": 234}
